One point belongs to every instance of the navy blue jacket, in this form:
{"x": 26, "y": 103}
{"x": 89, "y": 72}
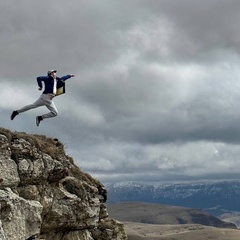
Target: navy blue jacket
{"x": 49, "y": 82}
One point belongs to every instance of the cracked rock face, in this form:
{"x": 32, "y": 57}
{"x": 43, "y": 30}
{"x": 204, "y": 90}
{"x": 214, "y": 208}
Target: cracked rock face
{"x": 44, "y": 195}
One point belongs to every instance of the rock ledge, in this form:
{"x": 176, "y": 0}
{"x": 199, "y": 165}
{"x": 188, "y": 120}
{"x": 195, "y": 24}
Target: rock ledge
{"x": 44, "y": 195}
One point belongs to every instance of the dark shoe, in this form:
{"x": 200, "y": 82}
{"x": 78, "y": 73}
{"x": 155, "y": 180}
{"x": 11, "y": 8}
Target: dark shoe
{"x": 14, "y": 114}
{"x": 38, "y": 120}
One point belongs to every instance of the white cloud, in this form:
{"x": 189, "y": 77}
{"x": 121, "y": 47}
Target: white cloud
{"x": 13, "y": 96}
{"x": 193, "y": 160}
{"x": 81, "y": 111}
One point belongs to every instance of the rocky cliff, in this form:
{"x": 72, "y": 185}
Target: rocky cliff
{"x": 44, "y": 195}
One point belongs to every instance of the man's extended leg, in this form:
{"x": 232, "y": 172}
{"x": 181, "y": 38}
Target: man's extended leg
{"x": 36, "y": 104}
{"x": 14, "y": 114}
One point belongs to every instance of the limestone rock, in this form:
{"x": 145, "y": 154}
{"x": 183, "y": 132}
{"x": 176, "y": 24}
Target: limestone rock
{"x": 45, "y": 196}
{"x": 20, "y": 218}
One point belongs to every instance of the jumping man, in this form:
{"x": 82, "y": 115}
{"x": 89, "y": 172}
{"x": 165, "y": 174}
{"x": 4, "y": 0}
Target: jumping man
{"x": 54, "y": 86}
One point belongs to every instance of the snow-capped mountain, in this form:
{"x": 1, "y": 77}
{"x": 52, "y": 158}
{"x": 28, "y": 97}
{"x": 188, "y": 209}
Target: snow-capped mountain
{"x": 215, "y": 197}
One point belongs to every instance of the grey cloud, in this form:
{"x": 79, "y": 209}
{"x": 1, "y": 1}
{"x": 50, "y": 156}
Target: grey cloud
{"x": 196, "y": 31}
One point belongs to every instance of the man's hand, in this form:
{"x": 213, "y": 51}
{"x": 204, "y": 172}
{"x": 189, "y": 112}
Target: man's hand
{"x": 72, "y": 75}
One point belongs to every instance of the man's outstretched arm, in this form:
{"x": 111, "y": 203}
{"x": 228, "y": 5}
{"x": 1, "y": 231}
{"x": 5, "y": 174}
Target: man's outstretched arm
{"x": 64, "y": 78}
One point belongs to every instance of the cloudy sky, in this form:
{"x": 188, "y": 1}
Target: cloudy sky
{"x": 156, "y": 95}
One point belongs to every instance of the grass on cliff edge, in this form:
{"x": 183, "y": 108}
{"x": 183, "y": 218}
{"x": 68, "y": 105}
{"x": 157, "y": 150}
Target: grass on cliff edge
{"x": 51, "y": 146}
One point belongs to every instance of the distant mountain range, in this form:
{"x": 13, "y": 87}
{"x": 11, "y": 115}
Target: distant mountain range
{"x": 217, "y": 198}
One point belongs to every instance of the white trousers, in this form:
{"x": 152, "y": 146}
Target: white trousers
{"x": 44, "y": 100}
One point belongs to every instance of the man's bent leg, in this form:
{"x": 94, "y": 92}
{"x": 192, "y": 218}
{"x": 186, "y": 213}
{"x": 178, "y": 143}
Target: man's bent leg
{"x": 53, "y": 110}
{"x": 50, "y": 105}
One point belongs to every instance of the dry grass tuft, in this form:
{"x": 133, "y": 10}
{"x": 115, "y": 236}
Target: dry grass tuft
{"x": 50, "y": 146}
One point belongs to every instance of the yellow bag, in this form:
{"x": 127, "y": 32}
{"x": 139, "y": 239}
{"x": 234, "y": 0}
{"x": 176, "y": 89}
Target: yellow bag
{"x": 60, "y": 91}
{"x": 60, "y": 87}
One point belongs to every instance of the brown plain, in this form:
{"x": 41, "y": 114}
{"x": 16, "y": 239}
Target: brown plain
{"x": 142, "y": 231}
